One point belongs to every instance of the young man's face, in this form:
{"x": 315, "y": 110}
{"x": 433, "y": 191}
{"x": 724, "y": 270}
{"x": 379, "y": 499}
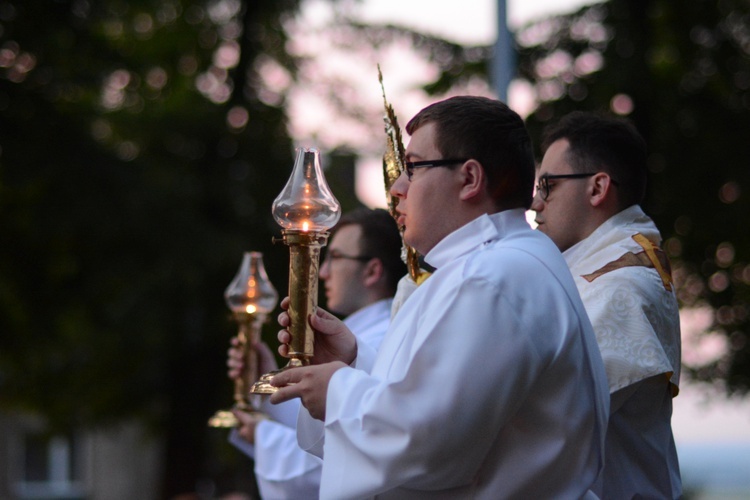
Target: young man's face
{"x": 561, "y": 216}
{"x": 426, "y": 203}
{"x": 342, "y": 271}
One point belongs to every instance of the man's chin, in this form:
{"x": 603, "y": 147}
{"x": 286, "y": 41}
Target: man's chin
{"x": 408, "y": 240}
{"x": 414, "y": 243}
{"x": 330, "y": 305}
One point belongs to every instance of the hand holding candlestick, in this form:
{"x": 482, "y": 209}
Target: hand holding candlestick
{"x": 305, "y": 210}
{"x": 250, "y": 296}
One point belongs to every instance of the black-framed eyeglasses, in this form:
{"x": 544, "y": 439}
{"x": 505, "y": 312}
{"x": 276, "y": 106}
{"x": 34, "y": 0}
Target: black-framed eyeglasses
{"x": 543, "y": 186}
{"x": 335, "y": 255}
{"x": 411, "y": 165}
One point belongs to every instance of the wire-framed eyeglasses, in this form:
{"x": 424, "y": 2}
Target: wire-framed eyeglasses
{"x": 411, "y": 165}
{"x": 336, "y": 255}
{"x": 543, "y": 186}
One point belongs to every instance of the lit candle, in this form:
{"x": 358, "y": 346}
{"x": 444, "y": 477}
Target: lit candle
{"x": 305, "y": 209}
{"x": 306, "y": 203}
{"x": 250, "y": 296}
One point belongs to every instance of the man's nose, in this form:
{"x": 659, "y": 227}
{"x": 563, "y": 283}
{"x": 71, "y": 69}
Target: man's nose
{"x": 400, "y": 187}
{"x": 537, "y": 204}
{"x": 324, "y": 268}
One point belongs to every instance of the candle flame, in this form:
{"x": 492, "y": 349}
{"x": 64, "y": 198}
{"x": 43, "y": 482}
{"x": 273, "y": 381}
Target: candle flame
{"x": 305, "y": 226}
{"x": 251, "y": 309}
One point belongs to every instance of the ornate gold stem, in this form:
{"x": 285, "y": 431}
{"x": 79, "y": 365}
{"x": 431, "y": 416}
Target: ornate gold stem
{"x": 248, "y": 335}
{"x": 304, "y": 261}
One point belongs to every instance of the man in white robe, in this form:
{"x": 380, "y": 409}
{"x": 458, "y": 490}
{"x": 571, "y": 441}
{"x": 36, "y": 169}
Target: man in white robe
{"x": 591, "y": 181}
{"x": 489, "y": 383}
{"x": 360, "y": 272}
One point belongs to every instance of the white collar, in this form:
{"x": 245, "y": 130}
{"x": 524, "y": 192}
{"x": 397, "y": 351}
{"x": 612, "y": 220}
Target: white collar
{"x": 482, "y": 230}
{"x": 613, "y": 232}
{"x": 380, "y": 306}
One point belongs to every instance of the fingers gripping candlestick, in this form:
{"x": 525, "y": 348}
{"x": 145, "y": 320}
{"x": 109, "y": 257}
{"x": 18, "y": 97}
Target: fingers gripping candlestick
{"x": 305, "y": 209}
{"x": 250, "y": 296}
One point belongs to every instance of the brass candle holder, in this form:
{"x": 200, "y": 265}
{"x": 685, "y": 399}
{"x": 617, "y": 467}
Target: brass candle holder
{"x": 250, "y": 296}
{"x": 305, "y": 209}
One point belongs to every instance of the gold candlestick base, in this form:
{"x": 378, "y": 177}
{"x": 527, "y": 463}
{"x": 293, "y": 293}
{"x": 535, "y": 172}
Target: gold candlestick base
{"x": 225, "y": 419}
{"x": 263, "y": 385}
{"x": 248, "y": 335}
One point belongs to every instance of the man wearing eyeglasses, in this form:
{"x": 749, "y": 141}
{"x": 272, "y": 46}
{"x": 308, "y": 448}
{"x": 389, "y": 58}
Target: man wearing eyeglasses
{"x": 591, "y": 182}
{"x": 489, "y": 383}
{"x": 360, "y": 272}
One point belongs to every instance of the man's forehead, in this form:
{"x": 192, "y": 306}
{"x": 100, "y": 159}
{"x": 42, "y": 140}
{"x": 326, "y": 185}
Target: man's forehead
{"x": 555, "y": 159}
{"x": 346, "y": 237}
{"x": 422, "y": 143}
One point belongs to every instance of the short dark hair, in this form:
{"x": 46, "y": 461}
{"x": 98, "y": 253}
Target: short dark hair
{"x": 380, "y": 239}
{"x": 601, "y": 142}
{"x": 490, "y": 132}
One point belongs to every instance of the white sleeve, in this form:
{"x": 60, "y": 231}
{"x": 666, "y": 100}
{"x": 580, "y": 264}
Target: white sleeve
{"x": 282, "y": 469}
{"x": 241, "y": 444}
{"x": 366, "y": 355}
{"x": 311, "y": 432}
{"x": 283, "y": 413}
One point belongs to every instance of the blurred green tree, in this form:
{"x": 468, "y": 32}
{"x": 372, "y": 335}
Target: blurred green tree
{"x": 140, "y": 151}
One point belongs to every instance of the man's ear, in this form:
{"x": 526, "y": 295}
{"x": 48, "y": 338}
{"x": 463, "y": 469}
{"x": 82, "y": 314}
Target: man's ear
{"x": 473, "y": 180}
{"x": 601, "y": 189}
{"x": 373, "y": 271}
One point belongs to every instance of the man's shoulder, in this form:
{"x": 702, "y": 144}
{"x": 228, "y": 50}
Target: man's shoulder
{"x": 527, "y": 241}
{"x": 527, "y": 247}
{"x": 635, "y": 280}
{"x": 527, "y": 257}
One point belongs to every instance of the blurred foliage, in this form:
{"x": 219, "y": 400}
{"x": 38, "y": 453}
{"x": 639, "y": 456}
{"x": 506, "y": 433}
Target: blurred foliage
{"x": 139, "y": 157}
